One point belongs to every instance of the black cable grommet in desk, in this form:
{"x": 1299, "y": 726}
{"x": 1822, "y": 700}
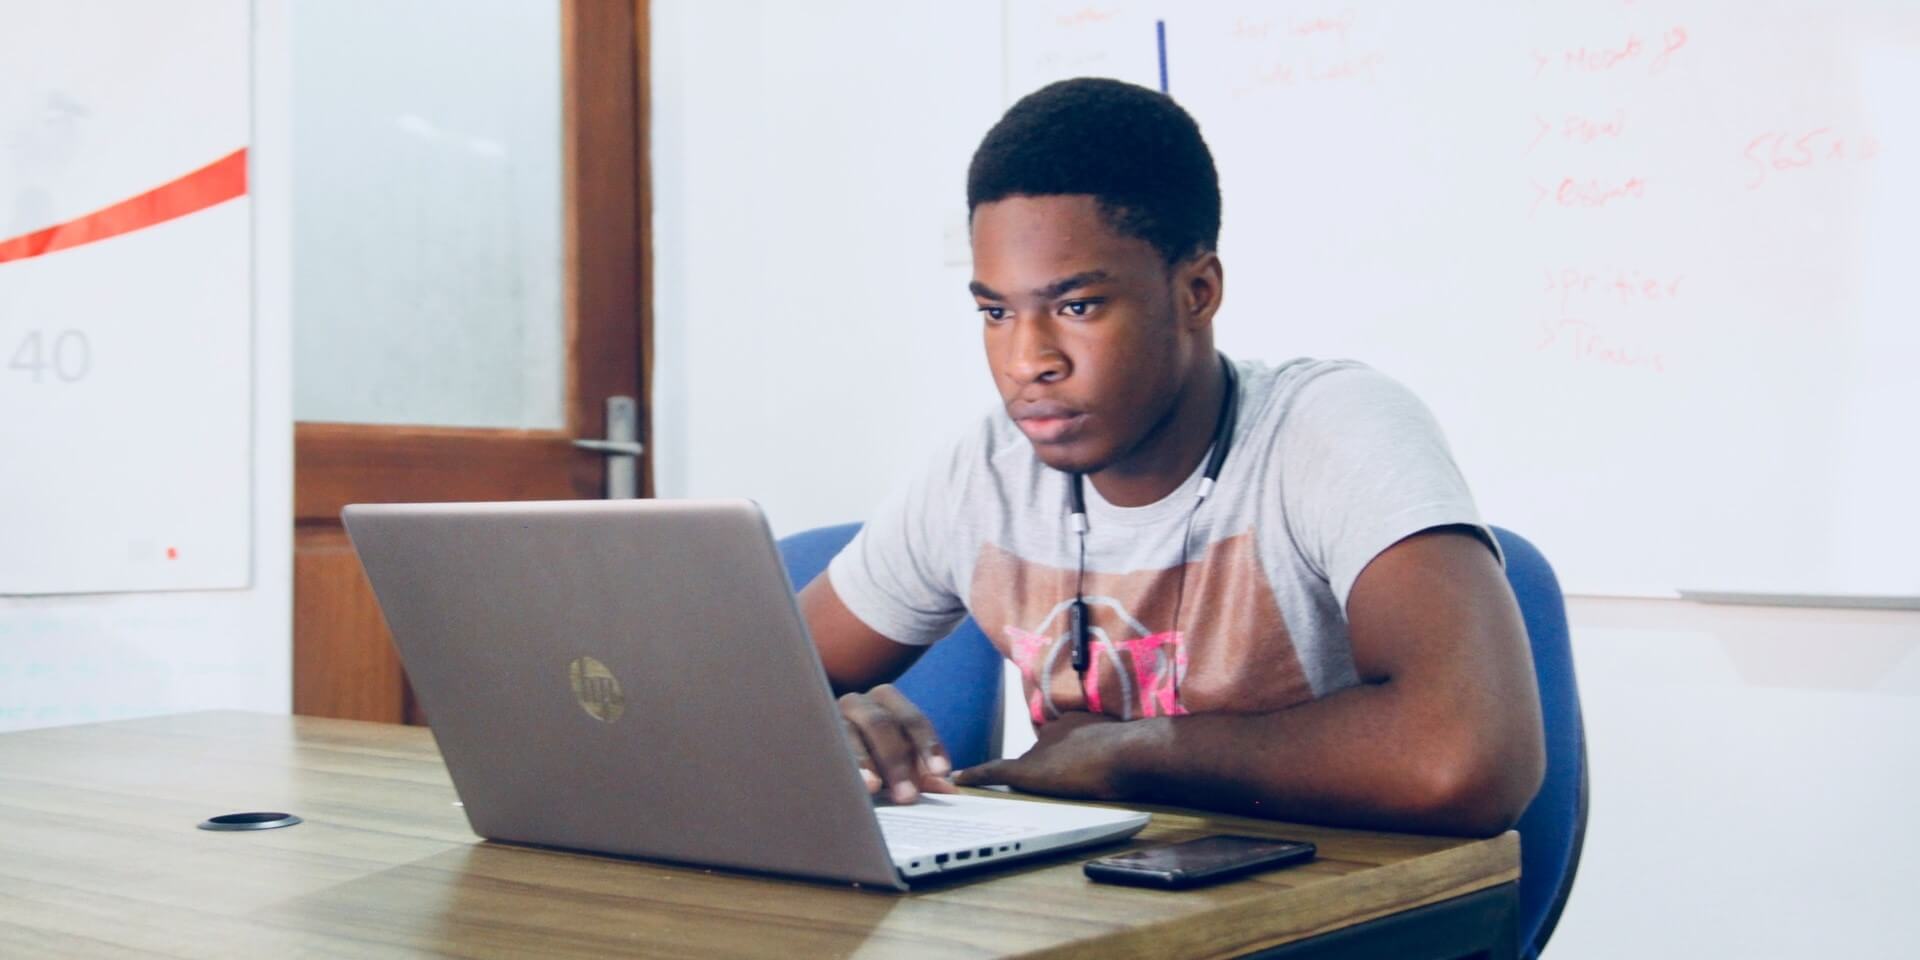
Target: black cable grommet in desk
{"x": 249, "y": 821}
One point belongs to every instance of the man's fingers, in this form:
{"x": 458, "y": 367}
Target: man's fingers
{"x": 933, "y": 757}
{"x": 896, "y": 742}
{"x": 991, "y": 773}
{"x": 860, "y": 756}
{"x": 891, "y": 753}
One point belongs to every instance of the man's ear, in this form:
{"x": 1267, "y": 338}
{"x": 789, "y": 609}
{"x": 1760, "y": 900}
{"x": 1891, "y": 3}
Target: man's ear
{"x": 1199, "y": 283}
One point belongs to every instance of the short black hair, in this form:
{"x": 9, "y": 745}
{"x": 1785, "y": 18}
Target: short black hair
{"x": 1133, "y": 149}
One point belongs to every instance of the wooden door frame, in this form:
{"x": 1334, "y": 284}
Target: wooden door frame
{"x": 608, "y": 276}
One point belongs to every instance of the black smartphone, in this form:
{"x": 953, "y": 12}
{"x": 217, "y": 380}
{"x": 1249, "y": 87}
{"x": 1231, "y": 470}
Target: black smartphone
{"x": 1191, "y": 863}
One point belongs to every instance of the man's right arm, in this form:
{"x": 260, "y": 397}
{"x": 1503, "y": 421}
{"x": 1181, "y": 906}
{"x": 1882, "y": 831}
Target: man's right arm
{"x": 893, "y": 741}
{"x": 856, "y": 656}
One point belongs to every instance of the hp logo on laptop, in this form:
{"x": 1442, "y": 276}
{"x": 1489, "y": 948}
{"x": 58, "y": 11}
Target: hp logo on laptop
{"x": 596, "y": 689}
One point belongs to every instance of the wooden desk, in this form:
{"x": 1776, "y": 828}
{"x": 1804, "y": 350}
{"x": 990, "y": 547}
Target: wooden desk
{"x": 99, "y": 856}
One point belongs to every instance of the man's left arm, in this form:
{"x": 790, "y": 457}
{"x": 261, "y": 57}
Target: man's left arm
{"x": 1442, "y": 735}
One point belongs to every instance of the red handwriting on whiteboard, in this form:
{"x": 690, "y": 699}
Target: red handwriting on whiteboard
{"x": 1085, "y": 16}
{"x": 1584, "y": 341}
{"x": 1597, "y": 59}
{"x": 1336, "y": 26}
{"x": 1244, "y": 29}
{"x": 1591, "y": 192}
{"x": 1573, "y": 286}
{"x": 1273, "y": 75}
{"x": 1363, "y": 69}
{"x": 1776, "y": 152}
{"x": 1676, "y": 37}
{"x": 1657, "y": 54}
{"x": 1353, "y": 68}
{"x": 1579, "y": 128}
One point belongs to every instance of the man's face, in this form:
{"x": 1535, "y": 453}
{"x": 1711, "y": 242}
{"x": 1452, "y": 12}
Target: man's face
{"x": 1082, "y": 331}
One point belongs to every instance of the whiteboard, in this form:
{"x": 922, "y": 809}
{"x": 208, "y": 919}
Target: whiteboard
{"x": 125, "y": 298}
{"x": 1653, "y": 265}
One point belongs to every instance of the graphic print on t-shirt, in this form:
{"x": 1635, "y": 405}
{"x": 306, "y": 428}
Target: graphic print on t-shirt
{"x": 1230, "y": 653}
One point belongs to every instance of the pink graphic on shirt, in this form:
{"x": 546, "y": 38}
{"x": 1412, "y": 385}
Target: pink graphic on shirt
{"x": 1159, "y": 663}
{"x": 1147, "y": 669}
{"x": 1232, "y": 652}
{"x": 1093, "y": 689}
{"x": 1028, "y": 649}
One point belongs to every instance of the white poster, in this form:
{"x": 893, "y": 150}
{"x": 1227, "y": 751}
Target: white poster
{"x": 125, "y": 297}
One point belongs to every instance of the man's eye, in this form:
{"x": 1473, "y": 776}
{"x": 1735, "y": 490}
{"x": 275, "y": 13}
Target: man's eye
{"x": 1077, "y": 308}
{"x": 994, "y": 313}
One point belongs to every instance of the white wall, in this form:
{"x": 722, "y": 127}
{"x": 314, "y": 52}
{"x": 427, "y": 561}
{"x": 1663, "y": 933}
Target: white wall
{"x": 1753, "y": 781}
{"x": 1751, "y": 766}
{"x": 812, "y": 344}
{"x": 85, "y": 658}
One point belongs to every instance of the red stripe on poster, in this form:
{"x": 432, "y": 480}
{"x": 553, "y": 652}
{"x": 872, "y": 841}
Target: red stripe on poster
{"x": 213, "y": 184}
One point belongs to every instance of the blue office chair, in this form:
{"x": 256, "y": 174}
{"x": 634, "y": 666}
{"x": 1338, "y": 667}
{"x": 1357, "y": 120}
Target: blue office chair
{"x": 957, "y": 684}
{"x": 1555, "y": 824}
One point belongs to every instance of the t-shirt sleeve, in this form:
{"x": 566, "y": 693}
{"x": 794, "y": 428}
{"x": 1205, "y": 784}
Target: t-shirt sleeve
{"x": 897, "y": 574}
{"x": 1364, "y": 465}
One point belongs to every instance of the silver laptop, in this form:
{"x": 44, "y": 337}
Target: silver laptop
{"x": 633, "y": 677}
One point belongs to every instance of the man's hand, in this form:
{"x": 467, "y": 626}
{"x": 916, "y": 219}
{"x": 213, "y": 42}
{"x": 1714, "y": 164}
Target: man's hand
{"x": 895, "y": 744}
{"x": 1074, "y": 756}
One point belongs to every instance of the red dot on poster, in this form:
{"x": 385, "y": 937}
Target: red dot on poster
{"x": 173, "y": 553}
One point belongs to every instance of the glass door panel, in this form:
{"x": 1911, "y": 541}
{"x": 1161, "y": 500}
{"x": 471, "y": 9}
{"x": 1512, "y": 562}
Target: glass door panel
{"x": 428, "y": 213}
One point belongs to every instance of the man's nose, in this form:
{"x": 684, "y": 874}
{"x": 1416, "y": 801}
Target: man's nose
{"x": 1036, "y": 356}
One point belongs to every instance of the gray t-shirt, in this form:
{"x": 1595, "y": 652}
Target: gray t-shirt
{"x": 1331, "y": 463}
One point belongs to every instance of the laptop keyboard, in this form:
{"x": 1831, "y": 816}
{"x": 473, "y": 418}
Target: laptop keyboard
{"x": 908, "y": 833}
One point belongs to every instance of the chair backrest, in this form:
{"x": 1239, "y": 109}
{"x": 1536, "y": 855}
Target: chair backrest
{"x": 1555, "y": 824}
{"x": 956, "y": 684}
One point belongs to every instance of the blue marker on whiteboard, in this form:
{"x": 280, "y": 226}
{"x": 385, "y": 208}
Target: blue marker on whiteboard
{"x": 1160, "y": 31}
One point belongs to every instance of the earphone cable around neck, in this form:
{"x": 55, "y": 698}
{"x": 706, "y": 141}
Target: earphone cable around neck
{"x": 1216, "y": 458}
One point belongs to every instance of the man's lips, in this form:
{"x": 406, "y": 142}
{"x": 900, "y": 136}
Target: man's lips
{"x": 1047, "y": 422}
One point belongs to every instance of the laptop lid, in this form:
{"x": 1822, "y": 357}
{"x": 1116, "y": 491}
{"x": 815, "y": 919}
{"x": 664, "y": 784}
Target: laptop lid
{"x": 628, "y": 676}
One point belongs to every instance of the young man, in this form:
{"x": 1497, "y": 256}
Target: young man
{"x": 1325, "y": 636}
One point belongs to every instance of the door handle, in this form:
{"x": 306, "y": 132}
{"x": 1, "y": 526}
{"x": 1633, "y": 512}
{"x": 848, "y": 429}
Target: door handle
{"x": 622, "y": 448}
{"x": 625, "y": 448}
